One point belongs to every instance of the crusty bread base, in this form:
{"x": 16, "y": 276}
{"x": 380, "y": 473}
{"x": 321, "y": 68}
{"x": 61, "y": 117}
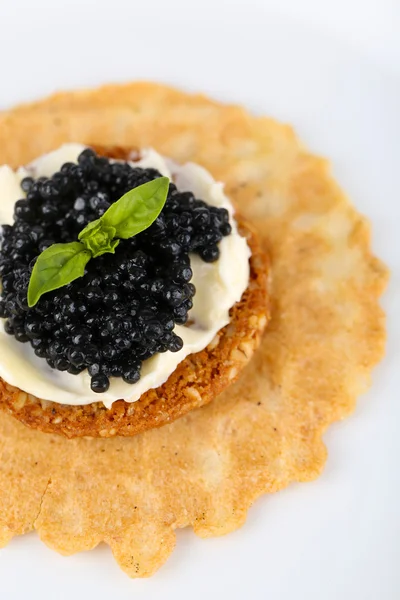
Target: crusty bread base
{"x": 265, "y": 431}
{"x": 196, "y": 381}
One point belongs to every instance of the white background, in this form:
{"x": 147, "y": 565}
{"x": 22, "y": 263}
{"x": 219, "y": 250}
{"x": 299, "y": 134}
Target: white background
{"x": 333, "y": 69}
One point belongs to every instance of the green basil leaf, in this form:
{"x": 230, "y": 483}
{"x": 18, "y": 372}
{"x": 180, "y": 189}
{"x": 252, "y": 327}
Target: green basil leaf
{"x": 98, "y": 246}
{"x": 137, "y": 209}
{"x": 57, "y": 266}
{"x": 98, "y": 238}
{"x": 90, "y": 228}
{"x": 62, "y": 263}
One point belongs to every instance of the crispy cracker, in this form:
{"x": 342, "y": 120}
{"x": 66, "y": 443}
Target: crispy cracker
{"x": 265, "y": 431}
{"x": 196, "y": 381}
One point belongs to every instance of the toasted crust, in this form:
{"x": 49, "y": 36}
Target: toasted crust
{"x": 196, "y": 381}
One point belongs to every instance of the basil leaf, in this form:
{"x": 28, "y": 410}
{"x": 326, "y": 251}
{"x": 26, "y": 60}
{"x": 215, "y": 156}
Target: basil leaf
{"x": 98, "y": 245}
{"x": 137, "y": 209}
{"x": 55, "y": 267}
{"x": 98, "y": 238}
{"x": 62, "y": 263}
{"x": 90, "y": 228}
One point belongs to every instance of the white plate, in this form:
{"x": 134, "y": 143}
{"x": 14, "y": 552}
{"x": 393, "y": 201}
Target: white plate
{"x": 337, "y": 537}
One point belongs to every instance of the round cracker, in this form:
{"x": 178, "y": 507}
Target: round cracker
{"x": 196, "y": 381}
{"x": 265, "y": 431}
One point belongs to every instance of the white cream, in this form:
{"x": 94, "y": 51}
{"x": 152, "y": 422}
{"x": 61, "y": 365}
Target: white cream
{"x": 10, "y": 191}
{"x": 219, "y": 286}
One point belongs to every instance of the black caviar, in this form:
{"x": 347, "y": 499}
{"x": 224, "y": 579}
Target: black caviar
{"x": 126, "y": 306}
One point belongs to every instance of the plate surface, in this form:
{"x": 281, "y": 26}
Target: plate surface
{"x": 336, "y": 77}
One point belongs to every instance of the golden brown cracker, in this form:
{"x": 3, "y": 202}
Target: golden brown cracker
{"x": 265, "y": 431}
